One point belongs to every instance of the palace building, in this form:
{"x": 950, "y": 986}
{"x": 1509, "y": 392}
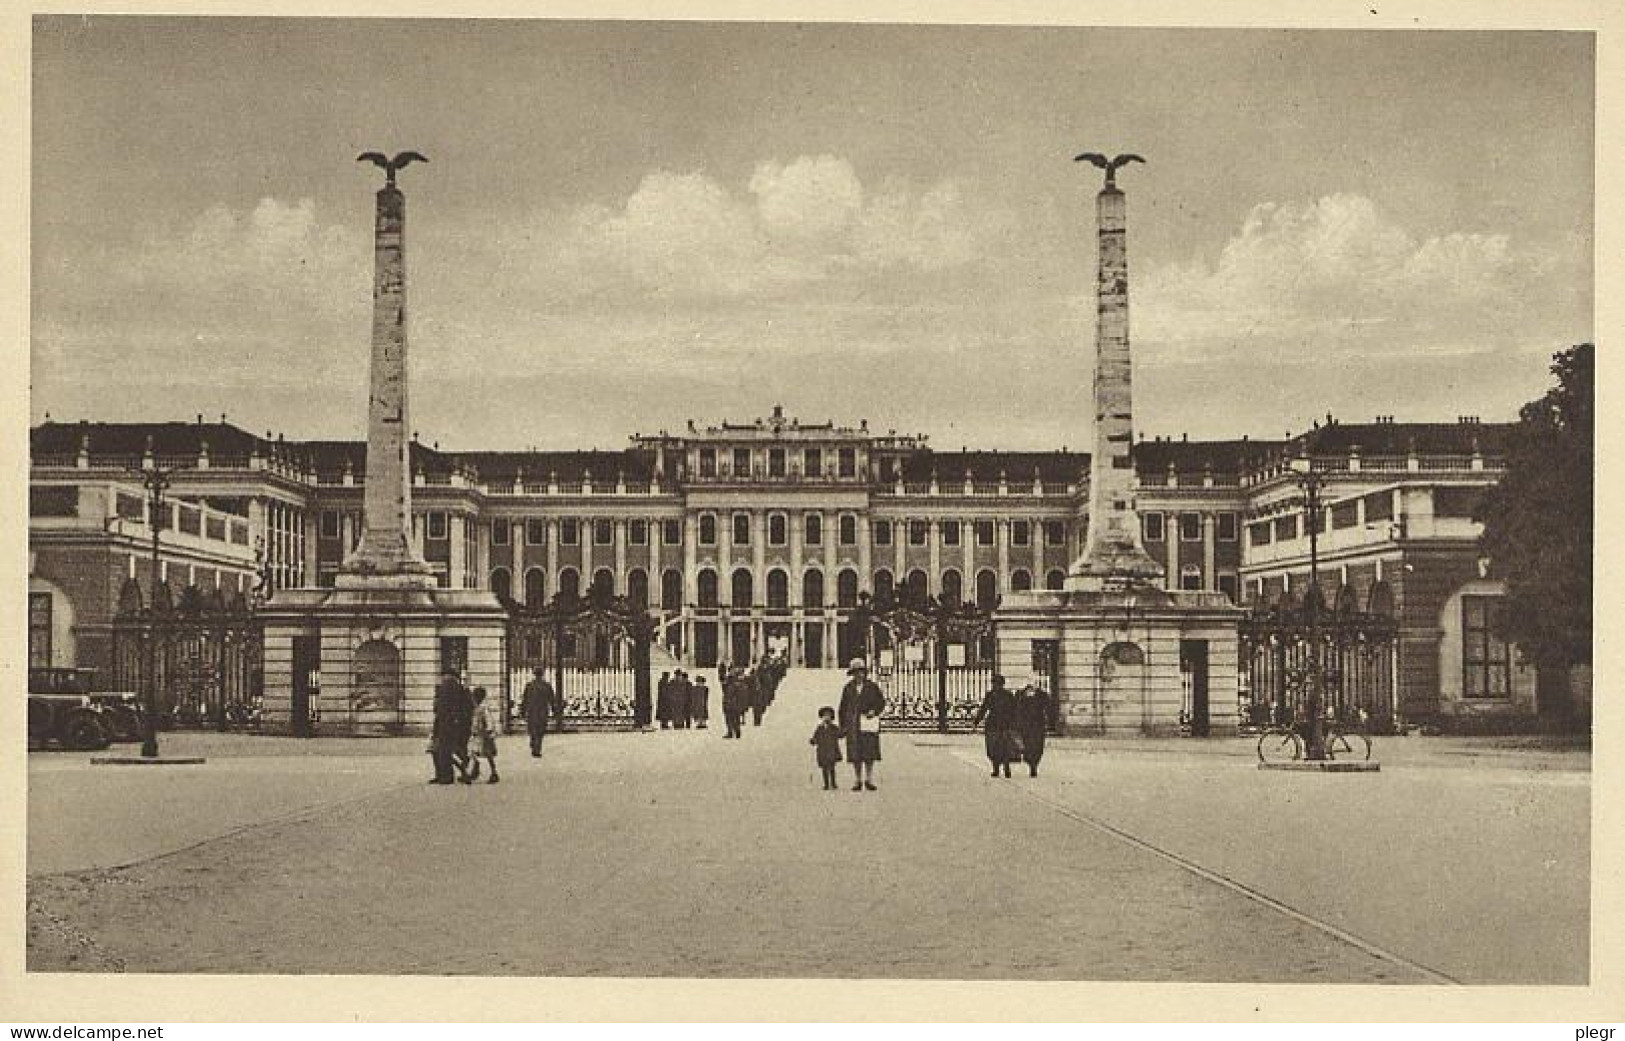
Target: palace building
{"x": 750, "y": 536}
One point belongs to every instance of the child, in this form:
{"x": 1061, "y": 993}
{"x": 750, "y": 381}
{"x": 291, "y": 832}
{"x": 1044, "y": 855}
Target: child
{"x": 827, "y": 738}
{"x": 481, "y": 740}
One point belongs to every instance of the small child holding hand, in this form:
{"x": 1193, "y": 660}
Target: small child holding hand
{"x": 827, "y": 739}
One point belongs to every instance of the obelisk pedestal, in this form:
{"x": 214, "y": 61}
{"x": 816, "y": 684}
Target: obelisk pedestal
{"x": 365, "y": 655}
{"x": 1123, "y": 654}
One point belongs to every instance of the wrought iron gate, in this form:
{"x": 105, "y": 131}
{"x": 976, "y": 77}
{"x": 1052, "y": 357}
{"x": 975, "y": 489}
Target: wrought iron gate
{"x": 1282, "y": 643}
{"x": 932, "y": 659}
{"x": 196, "y": 657}
{"x": 595, "y": 653}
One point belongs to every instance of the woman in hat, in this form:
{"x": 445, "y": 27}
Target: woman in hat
{"x": 861, "y": 707}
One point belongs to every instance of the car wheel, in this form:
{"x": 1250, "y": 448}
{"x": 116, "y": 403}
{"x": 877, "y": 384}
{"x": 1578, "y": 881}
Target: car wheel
{"x": 84, "y": 732}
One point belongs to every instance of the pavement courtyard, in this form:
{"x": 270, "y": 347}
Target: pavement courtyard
{"x": 679, "y": 854}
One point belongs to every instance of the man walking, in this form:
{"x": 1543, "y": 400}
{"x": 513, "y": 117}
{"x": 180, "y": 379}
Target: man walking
{"x": 450, "y": 703}
{"x": 534, "y": 705}
{"x": 680, "y": 688}
{"x": 735, "y": 699}
{"x": 663, "y": 700}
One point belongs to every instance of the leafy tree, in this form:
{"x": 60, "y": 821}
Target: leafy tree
{"x": 1538, "y": 526}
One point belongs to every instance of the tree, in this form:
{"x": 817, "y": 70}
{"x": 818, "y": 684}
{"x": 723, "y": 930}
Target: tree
{"x": 1538, "y": 524}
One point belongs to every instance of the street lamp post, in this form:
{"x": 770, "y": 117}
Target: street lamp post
{"x": 155, "y": 480}
{"x": 1311, "y": 481}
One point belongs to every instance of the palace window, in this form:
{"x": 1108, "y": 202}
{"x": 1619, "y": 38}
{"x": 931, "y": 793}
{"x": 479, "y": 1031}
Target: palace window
{"x": 849, "y": 530}
{"x": 1054, "y": 533}
{"x": 1259, "y": 533}
{"x": 1227, "y": 527}
{"x": 706, "y": 588}
{"x": 1152, "y": 525}
{"x": 812, "y": 589}
{"x": 1286, "y": 528}
{"x": 952, "y": 587}
{"x": 501, "y": 582}
{"x": 741, "y": 462}
{"x": 330, "y": 524}
{"x": 536, "y": 532}
{"x": 637, "y": 587}
{"x": 987, "y": 589}
{"x": 778, "y": 590}
{"x": 984, "y": 533}
{"x": 741, "y": 529}
{"x": 848, "y": 462}
{"x": 846, "y": 588}
{"x": 813, "y": 529}
{"x": 569, "y": 532}
{"x": 917, "y": 530}
{"x": 501, "y": 534}
{"x": 1190, "y": 527}
{"x": 708, "y": 529}
{"x": 1021, "y": 580}
{"x": 1379, "y": 506}
{"x": 1227, "y": 585}
{"x": 1486, "y": 658}
{"x": 775, "y": 462}
{"x": 603, "y": 532}
{"x": 1190, "y": 577}
{"x": 778, "y": 530}
{"x": 1021, "y": 534}
{"x": 950, "y": 533}
{"x": 882, "y": 533}
{"x": 1346, "y": 514}
{"x": 671, "y": 532}
{"x": 812, "y": 462}
{"x": 535, "y": 586}
{"x": 437, "y": 524}
{"x": 671, "y": 590}
{"x": 708, "y": 462}
{"x": 1055, "y": 579}
{"x": 637, "y": 532}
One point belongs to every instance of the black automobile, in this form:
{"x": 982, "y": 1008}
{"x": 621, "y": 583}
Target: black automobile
{"x": 64, "y": 712}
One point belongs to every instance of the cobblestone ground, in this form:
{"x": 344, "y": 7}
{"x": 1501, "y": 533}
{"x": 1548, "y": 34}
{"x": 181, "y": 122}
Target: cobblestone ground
{"x": 656, "y": 854}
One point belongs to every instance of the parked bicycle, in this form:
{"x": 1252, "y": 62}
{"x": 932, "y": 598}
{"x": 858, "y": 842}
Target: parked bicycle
{"x": 1285, "y": 742}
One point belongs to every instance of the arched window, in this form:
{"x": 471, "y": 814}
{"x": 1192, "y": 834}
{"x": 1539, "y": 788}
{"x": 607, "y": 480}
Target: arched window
{"x": 778, "y": 589}
{"x": 1021, "y": 580}
{"x": 501, "y": 583}
{"x": 915, "y": 586}
{"x": 743, "y": 588}
{"x": 1055, "y": 578}
{"x": 535, "y": 587}
{"x": 637, "y": 587}
{"x": 987, "y": 589}
{"x": 707, "y": 591}
{"x": 883, "y": 583}
{"x": 812, "y": 588}
{"x": 570, "y": 583}
{"x": 603, "y": 582}
{"x": 951, "y": 587}
{"x": 671, "y": 590}
{"x": 846, "y": 588}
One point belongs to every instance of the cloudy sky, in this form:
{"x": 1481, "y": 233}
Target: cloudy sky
{"x": 626, "y": 225}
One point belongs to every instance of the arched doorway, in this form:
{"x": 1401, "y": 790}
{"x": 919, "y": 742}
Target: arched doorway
{"x": 375, "y": 685}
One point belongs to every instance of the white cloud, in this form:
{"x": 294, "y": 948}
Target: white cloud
{"x": 1335, "y": 266}
{"x": 794, "y": 224}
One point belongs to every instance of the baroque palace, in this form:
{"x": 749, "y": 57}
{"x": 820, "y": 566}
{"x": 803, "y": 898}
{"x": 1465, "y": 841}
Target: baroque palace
{"x": 761, "y": 535}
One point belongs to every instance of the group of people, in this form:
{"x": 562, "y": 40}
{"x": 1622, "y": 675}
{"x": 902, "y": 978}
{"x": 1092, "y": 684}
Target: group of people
{"x": 1017, "y": 722}
{"x": 681, "y": 703}
{"x": 463, "y": 733}
{"x": 749, "y": 690}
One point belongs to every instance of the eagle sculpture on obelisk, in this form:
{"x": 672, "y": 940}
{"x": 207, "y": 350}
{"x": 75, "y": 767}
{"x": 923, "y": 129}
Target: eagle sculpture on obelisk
{"x": 1113, "y": 556}
{"x": 386, "y": 551}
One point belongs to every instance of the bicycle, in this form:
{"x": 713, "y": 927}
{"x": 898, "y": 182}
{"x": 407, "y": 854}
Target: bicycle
{"x": 1283, "y": 742}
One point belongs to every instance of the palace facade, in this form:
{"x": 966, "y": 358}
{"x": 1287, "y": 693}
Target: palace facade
{"x": 747, "y": 536}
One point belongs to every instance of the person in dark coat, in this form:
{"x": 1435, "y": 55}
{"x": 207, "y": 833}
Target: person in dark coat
{"x": 735, "y": 700}
{"x": 826, "y": 739}
{"x": 681, "y": 691}
{"x": 450, "y": 701}
{"x": 462, "y": 731}
{"x": 761, "y": 692}
{"x": 699, "y": 703}
{"x": 862, "y": 705}
{"x": 663, "y": 701}
{"x": 534, "y": 704}
{"x": 1032, "y": 723}
{"x": 998, "y": 710}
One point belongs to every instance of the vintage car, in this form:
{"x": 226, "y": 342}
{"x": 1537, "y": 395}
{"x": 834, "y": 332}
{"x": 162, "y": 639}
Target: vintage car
{"x": 64, "y": 711}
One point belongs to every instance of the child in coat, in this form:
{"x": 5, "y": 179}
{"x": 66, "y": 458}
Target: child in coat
{"x": 827, "y": 739}
{"x": 482, "y": 740}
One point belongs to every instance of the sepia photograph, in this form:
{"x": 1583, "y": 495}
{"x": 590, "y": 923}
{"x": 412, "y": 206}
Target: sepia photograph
{"x": 807, "y": 500}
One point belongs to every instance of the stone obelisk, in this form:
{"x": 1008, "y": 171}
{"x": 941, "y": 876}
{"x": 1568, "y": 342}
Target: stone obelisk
{"x": 1113, "y": 556}
{"x": 385, "y": 553}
